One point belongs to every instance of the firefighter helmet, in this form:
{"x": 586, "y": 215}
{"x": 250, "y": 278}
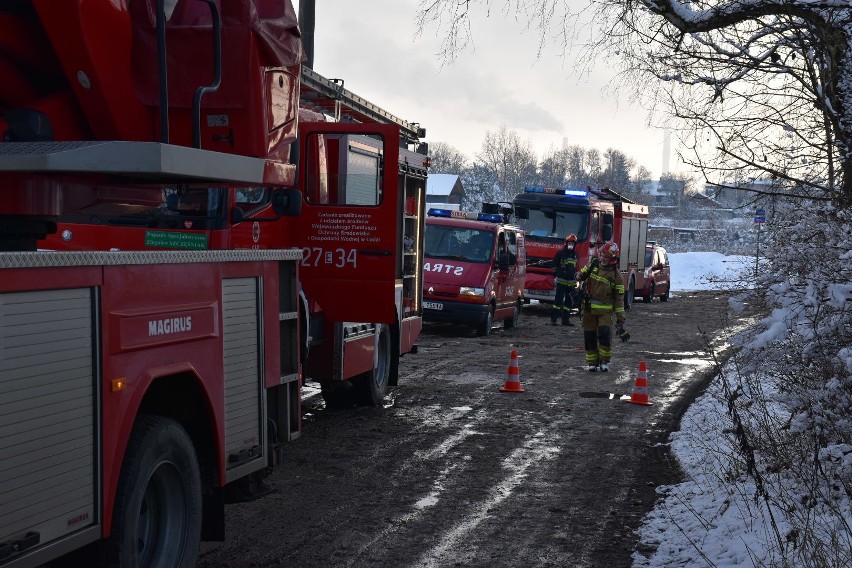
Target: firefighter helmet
{"x": 572, "y": 238}
{"x": 609, "y": 253}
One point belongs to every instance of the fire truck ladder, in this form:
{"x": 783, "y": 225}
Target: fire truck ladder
{"x": 608, "y": 194}
{"x": 330, "y": 97}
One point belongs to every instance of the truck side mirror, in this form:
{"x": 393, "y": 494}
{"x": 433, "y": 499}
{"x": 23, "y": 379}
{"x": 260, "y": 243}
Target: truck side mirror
{"x": 287, "y": 202}
{"x": 522, "y": 213}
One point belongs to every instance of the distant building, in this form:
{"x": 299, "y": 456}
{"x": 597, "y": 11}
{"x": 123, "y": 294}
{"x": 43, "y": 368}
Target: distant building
{"x": 444, "y": 190}
{"x": 741, "y": 193}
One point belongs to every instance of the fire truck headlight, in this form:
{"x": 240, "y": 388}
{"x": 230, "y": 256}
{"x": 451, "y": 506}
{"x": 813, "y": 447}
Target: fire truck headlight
{"x": 472, "y": 292}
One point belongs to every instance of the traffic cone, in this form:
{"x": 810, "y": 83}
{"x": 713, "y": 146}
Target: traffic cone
{"x": 513, "y": 375}
{"x": 640, "y": 389}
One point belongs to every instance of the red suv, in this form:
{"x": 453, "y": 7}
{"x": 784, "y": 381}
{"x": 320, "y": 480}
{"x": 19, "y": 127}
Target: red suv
{"x": 657, "y": 280}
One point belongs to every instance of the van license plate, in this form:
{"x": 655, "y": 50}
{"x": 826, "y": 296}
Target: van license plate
{"x": 433, "y": 305}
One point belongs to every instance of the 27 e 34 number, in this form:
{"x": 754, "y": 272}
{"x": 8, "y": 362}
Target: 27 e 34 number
{"x": 339, "y": 257}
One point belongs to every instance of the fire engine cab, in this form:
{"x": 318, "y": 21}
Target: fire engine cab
{"x": 474, "y": 269}
{"x": 596, "y": 216}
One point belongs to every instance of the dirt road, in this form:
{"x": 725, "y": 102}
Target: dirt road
{"x": 453, "y": 472}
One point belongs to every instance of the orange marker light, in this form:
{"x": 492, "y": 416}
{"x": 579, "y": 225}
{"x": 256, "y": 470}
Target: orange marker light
{"x": 118, "y": 384}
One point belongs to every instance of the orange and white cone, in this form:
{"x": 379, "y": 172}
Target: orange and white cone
{"x": 513, "y": 375}
{"x": 640, "y": 389}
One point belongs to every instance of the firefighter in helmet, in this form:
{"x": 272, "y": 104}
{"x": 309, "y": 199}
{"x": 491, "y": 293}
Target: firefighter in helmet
{"x": 564, "y": 264}
{"x": 603, "y": 298}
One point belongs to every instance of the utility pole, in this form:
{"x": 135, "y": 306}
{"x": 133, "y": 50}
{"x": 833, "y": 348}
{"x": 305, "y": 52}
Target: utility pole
{"x": 307, "y": 23}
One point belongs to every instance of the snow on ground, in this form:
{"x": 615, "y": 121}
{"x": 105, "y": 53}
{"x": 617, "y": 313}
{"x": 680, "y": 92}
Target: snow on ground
{"x": 693, "y": 271}
{"x": 706, "y": 521}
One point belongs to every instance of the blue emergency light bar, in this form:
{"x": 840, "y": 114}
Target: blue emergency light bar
{"x": 564, "y": 191}
{"x": 492, "y": 217}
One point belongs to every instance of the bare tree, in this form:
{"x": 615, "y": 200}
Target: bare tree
{"x": 447, "y": 159}
{"x": 763, "y": 88}
{"x": 553, "y": 168}
{"x": 480, "y": 186}
{"x": 640, "y": 183}
{"x": 760, "y": 86}
{"x": 578, "y": 175}
{"x": 616, "y": 171}
{"x": 593, "y": 165}
{"x": 511, "y": 161}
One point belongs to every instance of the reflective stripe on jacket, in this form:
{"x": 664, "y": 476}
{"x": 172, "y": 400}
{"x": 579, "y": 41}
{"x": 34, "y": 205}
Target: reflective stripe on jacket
{"x": 605, "y": 290}
{"x": 565, "y": 266}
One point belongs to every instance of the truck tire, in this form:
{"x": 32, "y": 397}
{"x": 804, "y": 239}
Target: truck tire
{"x": 157, "y": 515}
{"x": 513, "y": 320}
{"x": 630, "y": 293}
{"x": 649, "y": 297}
{"x": 373, "y": 386}
{"x": 665, "y": 297}
{"x": 484, "y": 329}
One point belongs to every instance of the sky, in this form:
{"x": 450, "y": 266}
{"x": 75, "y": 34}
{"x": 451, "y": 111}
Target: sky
{"x": 375, "y": 48}
{"x": 705, "y": 521}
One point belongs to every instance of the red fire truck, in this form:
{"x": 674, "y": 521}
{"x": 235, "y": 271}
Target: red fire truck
{"x": 596, "y": 216}
{"x": 342, "y": 232}
{"x": 142, "y": 377}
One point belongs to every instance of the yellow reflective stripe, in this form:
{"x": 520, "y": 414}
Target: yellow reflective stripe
{"x": 619, "y": 310}
{"x": 599, "y": 304}
{"x": 620, "y": 288}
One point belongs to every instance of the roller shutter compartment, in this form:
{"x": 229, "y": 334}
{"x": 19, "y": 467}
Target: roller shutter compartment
{"x": 47, "y": 416}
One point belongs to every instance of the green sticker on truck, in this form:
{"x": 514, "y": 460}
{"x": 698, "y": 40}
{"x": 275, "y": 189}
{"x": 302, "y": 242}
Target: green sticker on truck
{"x": 176, "y": 240}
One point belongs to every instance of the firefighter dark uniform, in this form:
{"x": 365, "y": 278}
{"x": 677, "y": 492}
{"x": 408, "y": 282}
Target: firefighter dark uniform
{"x": 603, "y": 296}
{"x": 565, "y": 276}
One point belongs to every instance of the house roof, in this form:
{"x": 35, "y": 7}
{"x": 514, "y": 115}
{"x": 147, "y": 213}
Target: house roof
{"x": 441, "y": 184}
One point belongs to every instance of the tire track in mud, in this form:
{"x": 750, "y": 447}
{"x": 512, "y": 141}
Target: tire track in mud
{"x": 453, "y": 472}
{"x": 536, "y": 449}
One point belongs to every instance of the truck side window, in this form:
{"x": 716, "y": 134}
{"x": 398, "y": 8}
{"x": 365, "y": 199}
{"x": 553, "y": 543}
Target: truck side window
{"x": 596, "y": 225}
{"x": 344, "y": 169}
{"x": 512, "y": 246}
{"x": 251, "y": 198}
{"x": 501, "y": 246}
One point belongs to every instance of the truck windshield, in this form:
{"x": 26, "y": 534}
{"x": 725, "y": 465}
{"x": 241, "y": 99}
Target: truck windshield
{"x": 546, "y": 224}
{"x": 471, "y": 245}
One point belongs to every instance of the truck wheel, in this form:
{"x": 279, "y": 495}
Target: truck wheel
{"x": 373, "y": 386}
{"x": 484, "y": 328}
{"x": 157, "y": 515}
{"x": 516, "y": 315}
{"x": 665, "y": 297}
{"x": 630, "y": 293}
{"x": 649, "y": 297}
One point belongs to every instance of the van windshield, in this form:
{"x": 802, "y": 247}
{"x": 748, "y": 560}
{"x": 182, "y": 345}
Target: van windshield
{"x": 471, "y": 245}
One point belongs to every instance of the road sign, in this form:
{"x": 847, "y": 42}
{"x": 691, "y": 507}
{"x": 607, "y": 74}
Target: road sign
{"x": 760, "y": 216}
